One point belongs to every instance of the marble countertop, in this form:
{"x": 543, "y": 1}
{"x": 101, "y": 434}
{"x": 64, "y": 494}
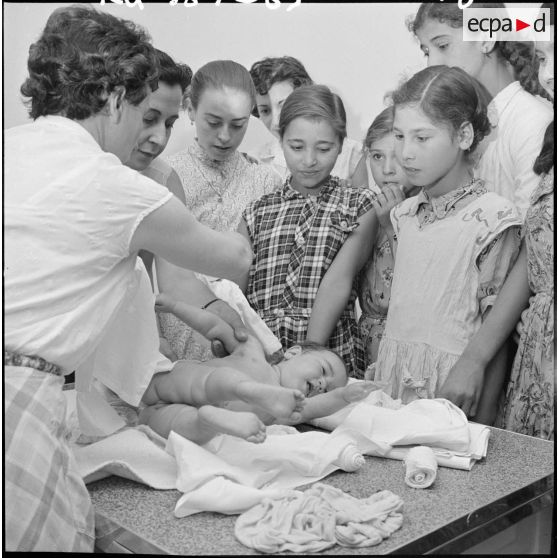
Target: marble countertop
{"x": 517, "y": 474}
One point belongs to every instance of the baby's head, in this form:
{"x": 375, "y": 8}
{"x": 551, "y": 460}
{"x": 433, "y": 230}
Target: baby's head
{"x": 312, "y": 369}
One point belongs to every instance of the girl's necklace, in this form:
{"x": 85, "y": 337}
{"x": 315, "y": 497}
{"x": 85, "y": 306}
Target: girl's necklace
{"x": 219, "y": 191}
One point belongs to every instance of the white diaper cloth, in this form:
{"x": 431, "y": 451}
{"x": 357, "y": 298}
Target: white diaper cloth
{"x": 133, "y": 453}
{"x": 384, "y": 427}
{"x": 230, "y": 475}
{"x": 420, "y": 467}
{"x": 317, "y": 519}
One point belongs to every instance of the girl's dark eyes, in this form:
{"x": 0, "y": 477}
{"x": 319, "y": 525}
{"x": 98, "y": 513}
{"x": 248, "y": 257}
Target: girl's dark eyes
{"x": 377, "y": 156}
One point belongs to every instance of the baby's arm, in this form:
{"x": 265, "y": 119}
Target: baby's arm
{"x": 335, "y": 287}
{"x": 325, "y": 404}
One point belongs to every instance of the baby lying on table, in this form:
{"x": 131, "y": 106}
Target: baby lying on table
{"x": 241, "y": 393}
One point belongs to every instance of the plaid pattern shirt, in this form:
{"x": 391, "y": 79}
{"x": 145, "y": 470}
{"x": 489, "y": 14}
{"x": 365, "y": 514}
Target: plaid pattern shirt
{"x": 295, "y": 239}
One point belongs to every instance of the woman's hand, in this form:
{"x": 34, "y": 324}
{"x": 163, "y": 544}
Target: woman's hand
{"x": 222, "y": 310}
{"x": 464, "y": 384}
{"x": 384, "y": 202}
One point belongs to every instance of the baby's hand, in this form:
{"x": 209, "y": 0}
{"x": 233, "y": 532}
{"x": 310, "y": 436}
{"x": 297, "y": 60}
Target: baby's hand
{"x": 358, "y": 390}
{"x": 164, "y": 303}
{"x": 384, "y": 202}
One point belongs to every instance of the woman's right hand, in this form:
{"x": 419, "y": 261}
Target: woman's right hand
{"x": 385, "y": 201}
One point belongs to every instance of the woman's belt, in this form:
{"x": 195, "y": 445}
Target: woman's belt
{"x": 16, "y": 359}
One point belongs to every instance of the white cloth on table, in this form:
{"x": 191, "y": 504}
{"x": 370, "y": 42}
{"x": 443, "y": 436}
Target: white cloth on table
{"x": 229, "y": 473}
{"x": 134, "y": 453}
{"x": 392, "y": 428}
{"x": 420, "y": 467}
{"x": 319, "y": 518}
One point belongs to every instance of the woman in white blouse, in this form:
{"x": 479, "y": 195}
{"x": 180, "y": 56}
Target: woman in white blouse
{"x": 75, "y": 219}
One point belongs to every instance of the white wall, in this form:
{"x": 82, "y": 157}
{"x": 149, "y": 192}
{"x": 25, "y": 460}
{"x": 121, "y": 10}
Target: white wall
{"x": 361, "y": 50}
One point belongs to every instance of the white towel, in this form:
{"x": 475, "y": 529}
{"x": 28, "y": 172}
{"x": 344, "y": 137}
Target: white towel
{"x": 386, "y": 428}
{"x": 317, "y": 519}
{"x": 420, "y": 467}
{"x": 134, "y": 453}
{"x": 229, "y": 473}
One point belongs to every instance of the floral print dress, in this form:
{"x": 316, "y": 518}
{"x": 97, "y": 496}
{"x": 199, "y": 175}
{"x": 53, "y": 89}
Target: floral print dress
{"x": 528, "y": 406}
{"x": 374, "y": 290}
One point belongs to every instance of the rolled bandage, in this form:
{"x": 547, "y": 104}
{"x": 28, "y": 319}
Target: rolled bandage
{"x": 421, "y": 467}
{"x": 350, "y": 459}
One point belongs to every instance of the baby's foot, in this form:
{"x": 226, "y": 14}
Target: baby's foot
{"x": 280, "y": 402}
{"x": 236, "y": 423}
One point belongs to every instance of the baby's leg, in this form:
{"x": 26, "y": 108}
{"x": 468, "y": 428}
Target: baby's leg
{"x": 199, "y": 384}
{"x": 237, "y": 423}
{"x": 201, "y": 425}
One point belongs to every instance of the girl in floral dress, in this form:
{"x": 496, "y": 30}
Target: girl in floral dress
{"x": 312, "y": 237}
{"x": 455, "y": 242}
{"x": 528, "y": 401}
{"x": 374, "y": 281}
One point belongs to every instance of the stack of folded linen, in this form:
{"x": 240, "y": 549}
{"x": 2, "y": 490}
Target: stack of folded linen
{"x": 384, "y": 427}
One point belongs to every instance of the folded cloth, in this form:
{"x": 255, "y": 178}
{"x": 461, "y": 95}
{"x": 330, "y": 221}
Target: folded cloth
{"x": 231, "y": 293}
{"x": 133, "y": 453}
{"x": 317, "y": 519}
{"x": 420, "y": 467}
{"x": 382, "y": 426}
{"x": 282, "y": 462}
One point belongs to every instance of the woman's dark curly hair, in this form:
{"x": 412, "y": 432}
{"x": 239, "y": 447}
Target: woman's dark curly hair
{"x": 173, "y": 73}
{"x": 520, "y": 55}
{"x": 81, "y": 57}
{"x": 448, "y": 96}
{"x": 269, "y": 71}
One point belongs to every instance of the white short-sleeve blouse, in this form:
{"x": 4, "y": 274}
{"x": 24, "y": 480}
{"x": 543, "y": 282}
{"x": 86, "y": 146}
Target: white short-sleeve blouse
{"x": 71, "y": 210}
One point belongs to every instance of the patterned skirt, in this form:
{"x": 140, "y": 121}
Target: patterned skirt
{"x": 530, "y": 397}
{"x": 47, "y": 504}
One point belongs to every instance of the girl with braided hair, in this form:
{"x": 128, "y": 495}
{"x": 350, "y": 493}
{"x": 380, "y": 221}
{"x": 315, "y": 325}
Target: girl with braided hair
{"x": 508, "y": 70}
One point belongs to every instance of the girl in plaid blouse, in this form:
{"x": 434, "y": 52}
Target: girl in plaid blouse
{"x": 312, "y": 237}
